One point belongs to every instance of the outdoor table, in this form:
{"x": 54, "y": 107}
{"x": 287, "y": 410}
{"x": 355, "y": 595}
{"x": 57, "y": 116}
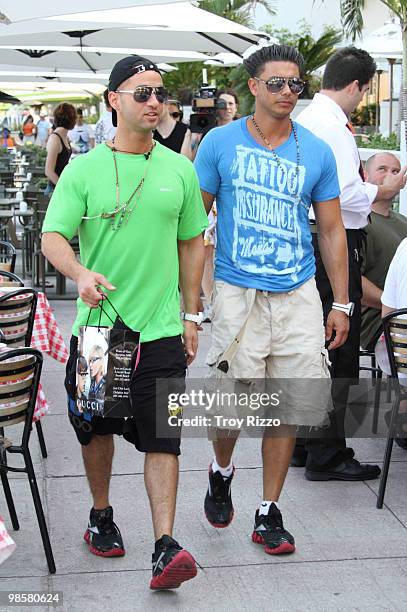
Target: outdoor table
{"x": 23, "y": 215}
{"x": 8, "y": 201}
{"x": 11, "y": 189}
{"x": 47, "y": 338}
{"x": 5, "y": 218}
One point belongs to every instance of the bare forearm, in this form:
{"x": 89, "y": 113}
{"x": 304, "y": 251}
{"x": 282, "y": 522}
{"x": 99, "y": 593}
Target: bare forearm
{"x": 334, "y": 253}
{"x": 371, "y": 294}
{"x": 59, "y": 253}
{"x": 52, "y": 176}
{"x": 191, "y": 265}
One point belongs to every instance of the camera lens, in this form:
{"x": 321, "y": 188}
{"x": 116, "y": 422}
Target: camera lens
{"x": 202, "y": 121}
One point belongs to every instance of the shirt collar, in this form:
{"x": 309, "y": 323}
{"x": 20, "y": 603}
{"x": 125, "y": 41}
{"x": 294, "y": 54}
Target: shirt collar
{"x": 331, "y": 105}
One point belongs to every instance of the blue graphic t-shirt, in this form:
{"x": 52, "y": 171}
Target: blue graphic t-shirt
{"x": 263, "y": 235}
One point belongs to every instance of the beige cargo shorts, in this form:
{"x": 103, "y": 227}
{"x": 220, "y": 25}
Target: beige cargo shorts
{"x": 268, "y": 343}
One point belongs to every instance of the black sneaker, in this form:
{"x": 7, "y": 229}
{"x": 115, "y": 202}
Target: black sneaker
{"x": 103, "y": 535}
{"x": 218, "y": 501}
{"x": 269, "y": 531}
{"x": 172, "y": 564}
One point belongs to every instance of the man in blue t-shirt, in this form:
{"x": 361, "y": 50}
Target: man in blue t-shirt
{"x": 265, "y": 172}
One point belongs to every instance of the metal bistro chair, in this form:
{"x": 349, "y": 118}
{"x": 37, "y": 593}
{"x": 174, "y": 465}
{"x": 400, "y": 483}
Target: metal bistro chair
{"x": 395, "y": 333}
{"x": 9, "y": 279}
{"x": 17, "y": 313}
{"x": 377, "y": 376}
{"x": 20, "y": 372}
{"x": 7, "y": 256}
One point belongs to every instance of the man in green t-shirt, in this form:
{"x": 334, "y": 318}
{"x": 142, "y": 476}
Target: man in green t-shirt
{"x": 137, "y": 208}
{"x": 383, "y": 235}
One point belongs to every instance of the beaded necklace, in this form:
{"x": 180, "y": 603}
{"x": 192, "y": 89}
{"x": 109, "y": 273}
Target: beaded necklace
{"x": 276, "y": 157}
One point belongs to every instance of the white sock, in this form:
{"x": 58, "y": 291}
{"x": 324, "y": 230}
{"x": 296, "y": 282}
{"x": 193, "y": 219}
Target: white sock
{"x": 225, "y": 471}
{"x": 265, "y": 506}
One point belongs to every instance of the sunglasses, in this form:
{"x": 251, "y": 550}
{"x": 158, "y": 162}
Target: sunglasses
{"x": 175, "y": 115}
{"x": 144, "y": 93}
{"x": 94, "y": 359}
{"x": 276, "y": 84}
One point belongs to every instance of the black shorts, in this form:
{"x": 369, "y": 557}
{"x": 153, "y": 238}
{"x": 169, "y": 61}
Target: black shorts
{"x": 159, "y": 359}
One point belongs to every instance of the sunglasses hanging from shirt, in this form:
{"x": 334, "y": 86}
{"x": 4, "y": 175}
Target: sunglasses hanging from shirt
{"x": 121, "y": 213}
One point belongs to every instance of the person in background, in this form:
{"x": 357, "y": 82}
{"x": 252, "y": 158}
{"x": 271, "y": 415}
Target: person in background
{"x": 175, "y": 110}
{"x": 384, "y": 234}
{"x": 81, "y": 135}
{"x": 346, "y": 80}
{"x": 104, "y": 128}
{"x": 28, "y": 130}
{"x": 224, "y": 117}
{"x": 7, "y": 140}
{"x": 58, "y": 146}
{"x": 44, "y": 130}
{"x": 173, "y": 134}
{"x": 227, "y": 114}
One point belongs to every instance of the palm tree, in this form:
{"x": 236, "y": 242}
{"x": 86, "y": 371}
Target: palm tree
{"x": 352, "y": 19}
{"x": 189, "y": 75}
{"x": 240, "y": 11}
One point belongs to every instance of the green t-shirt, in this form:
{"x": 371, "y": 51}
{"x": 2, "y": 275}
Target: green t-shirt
{"x": 383, "y": 236}
{"x": 140, "y": 258}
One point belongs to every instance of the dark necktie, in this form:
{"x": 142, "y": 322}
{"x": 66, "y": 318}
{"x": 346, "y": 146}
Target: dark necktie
{"x": 361, "y": 172}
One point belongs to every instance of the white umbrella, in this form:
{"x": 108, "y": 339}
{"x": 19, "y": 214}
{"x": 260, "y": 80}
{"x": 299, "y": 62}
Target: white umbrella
{"x": 231, "y": 59}
{"x": 12, "y": 11}
{"x": 179, "y": 26}
{"x": 385, "y": 42}
{"x": 20, "y": 75}
{"x": 98, "y": 59}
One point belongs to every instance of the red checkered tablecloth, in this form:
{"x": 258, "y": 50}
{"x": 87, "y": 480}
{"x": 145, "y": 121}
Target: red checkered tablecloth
{"x": 47, "y": 338}
{"x": 7, "y": 545}
{"x": 46, "y": 335}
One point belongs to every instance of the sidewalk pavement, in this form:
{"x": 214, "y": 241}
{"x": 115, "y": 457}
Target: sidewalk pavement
{"x": 350, "y": 556}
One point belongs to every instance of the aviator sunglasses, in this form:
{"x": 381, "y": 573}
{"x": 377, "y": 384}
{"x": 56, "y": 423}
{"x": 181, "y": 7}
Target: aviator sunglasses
{"x": 275, "y": 84}
{"x": 144, "y": 93}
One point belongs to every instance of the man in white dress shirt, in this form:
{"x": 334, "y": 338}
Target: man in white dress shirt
{"x": 346, "y": 79}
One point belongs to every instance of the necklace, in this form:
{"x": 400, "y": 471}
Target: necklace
{"x": 121, "y": 213}
{"x": 276, "y": 157}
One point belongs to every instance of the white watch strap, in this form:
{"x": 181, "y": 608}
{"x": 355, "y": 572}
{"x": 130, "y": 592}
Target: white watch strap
{"x": 341, "y": 307}
{"x": 196, "y": 318}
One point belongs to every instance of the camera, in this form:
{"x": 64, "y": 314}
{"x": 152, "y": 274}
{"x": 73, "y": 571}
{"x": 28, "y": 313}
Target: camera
{"x": 204, "y": 106}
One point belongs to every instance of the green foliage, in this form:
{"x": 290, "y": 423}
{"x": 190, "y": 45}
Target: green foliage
{"x": 377, "y": 141}
{"x": 365, "y": 115}
{"x": 240, "y": 11}
{"x": 41, "y": 183}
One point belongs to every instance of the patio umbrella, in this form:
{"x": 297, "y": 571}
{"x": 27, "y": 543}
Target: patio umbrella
{"x": 5, "y": 98}
{"x": 17, "y": 74}
{"x": 12, "y": 11}
{"x": 180, "y": 26}
{"x": 81, "y": 59}
{"x": 385, "y": 43}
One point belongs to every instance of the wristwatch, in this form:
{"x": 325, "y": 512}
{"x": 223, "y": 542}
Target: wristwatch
{"x": 346, "y": 308}
{"x": 196, "y": 318}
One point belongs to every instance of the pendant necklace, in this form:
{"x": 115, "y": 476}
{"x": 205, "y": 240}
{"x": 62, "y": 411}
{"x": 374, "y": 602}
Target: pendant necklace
{"x": 122, "y": 211}
{"x": 276, "y": 157}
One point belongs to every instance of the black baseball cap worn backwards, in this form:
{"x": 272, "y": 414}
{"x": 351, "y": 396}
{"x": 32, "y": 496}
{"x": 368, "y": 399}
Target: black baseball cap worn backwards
{"x": 126, "y": 68}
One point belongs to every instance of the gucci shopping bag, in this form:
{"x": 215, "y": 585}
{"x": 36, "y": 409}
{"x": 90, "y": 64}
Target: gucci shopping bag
{"x": 107, "y": 357}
